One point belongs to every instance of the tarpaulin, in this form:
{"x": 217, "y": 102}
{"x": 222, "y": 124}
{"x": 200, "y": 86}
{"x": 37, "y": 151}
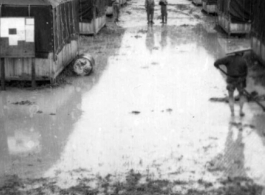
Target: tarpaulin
{"x": 259, "y": 19}
{"x": 210, "y": 2}
{"x": 43, "y": 24}
{"x": 238, "y": 10}
{"x": 54, "y": 27}
{"x": 86, "y": 8}
{"x": 53, "y": 3}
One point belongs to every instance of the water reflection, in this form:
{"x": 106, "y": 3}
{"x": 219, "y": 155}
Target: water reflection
{"x": 35, "y": 125}
{"x": 150, "y": 38}
{"x": 164, "y": 35}
{"x": 234, "y": 151}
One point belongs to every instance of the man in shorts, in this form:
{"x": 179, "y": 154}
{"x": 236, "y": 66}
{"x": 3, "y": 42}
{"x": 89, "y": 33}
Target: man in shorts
{"x": 163, "y": 4}
{"x": 150, "y": 6}
{"x": 116, "y": 10}
{"x": 237, "y": 71}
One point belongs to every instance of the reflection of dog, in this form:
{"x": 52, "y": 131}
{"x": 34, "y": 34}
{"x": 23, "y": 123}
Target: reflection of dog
{"x": 84, "y": 64}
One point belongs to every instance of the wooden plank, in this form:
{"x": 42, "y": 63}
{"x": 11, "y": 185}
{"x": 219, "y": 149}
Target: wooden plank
{"x": 92, "y": 27}
{"x": 3, "y": 77}
{"x": 33, "y": 74}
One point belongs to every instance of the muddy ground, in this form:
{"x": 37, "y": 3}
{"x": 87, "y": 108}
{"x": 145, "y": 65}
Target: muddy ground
{"x": 135, "y": 126}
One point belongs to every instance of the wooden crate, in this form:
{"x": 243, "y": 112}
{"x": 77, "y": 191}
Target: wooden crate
{"x": 93, "y": 27}
{"x": 46, "y": 69}
{"x": 197, "y": 2}
{"x": 233, "y": 28}
{"x": 210, "y": 9}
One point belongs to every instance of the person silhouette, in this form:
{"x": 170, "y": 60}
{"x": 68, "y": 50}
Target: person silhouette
{"x": 150, "y": 39}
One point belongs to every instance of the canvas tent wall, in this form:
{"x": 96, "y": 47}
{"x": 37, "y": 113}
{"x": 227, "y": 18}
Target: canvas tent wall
{"x": 92, "y": 15}
{"x": 234, "y": 16}
{"x": 258, "y": 30}
{"x": 56, "y": 34}
{"x": 238, "y": 10}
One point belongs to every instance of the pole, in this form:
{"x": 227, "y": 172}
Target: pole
{"x": 33, "y": 74}
{"x": 246, "y": 93}
{"x": 3, "y": 77}
{"x": 94, "y": 17}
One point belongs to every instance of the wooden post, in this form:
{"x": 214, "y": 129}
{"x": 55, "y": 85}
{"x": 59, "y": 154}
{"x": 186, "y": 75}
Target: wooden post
{"x": 33, "y": 74}
{"x": 3, "y": 77}
{"x": 94, "y": 18}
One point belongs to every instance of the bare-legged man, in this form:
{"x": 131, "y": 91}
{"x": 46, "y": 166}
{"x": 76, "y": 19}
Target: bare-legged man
{"x": 236, "y": 73}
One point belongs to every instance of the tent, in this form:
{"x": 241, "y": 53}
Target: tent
{"x": 257, "y": 30}
{"x": 234, "y": 16}
{"x": 92, "y": 15}
{"x": 238, "y": 10}
{"x": 55, "y": 35}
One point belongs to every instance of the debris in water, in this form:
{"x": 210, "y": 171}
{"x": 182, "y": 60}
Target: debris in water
{"x": 169, "y": 110}
{"x": 27, "y": 102}
{"x": 225, "y": 100}
{"x": 137, "y": 36}
{"x": 136, "y": 112}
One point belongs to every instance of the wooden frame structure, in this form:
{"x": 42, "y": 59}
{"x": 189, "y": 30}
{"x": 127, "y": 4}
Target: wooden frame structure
{"x": 61, "y": 44}
{"x": 197, "y": 2}
{"x": 88, "y": 25}
{"x": 209, "y": 8}
{"x": 230, "y": 27}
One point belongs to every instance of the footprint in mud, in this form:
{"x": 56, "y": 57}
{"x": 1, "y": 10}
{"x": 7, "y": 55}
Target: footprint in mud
{"x": 135, "y": 112}
{"x": 154, "y": 63}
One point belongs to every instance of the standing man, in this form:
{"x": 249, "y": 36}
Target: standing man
{"x": 163, "y": 4}
{"x": 116, "y": 10}
{"x": 236, "y": 73}
{"x": 150, "y": 6}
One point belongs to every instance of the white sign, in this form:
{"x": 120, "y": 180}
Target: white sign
{"x": 17, "y": 29}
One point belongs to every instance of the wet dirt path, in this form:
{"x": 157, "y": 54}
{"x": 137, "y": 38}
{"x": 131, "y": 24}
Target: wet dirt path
{"x": 142, "y": 123}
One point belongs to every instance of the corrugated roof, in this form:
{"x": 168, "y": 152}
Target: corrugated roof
{"x": 54, "y": 3}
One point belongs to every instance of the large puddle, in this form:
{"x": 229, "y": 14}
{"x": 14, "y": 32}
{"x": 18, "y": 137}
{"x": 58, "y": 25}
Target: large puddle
{"x": 147, "y": 110}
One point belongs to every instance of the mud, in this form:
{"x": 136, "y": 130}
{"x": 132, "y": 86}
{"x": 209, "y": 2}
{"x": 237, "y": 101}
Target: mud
{"x": 142, "y": 122}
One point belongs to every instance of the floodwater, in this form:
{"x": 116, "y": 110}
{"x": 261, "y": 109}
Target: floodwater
{"x": 145, "y": 110}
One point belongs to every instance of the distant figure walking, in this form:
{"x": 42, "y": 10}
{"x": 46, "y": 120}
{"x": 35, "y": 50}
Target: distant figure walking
{"x": 116, "y": 10}
{"x": 236, "y": 73}
{"x": 163, "y": 4}
{"x": 150, "y": 6}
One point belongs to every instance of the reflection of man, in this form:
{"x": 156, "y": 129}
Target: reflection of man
{"x": 234, "y": 151}
{"x": 150, "y": 6}
{"x": 163, "y": 37}
{"x": 150, "y": 39}
{"x": 236, "y": 77}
